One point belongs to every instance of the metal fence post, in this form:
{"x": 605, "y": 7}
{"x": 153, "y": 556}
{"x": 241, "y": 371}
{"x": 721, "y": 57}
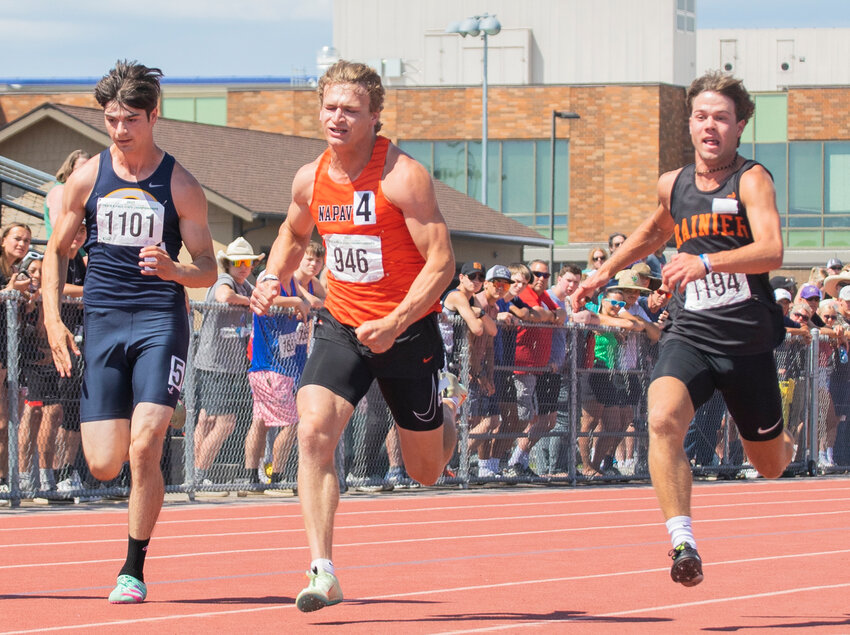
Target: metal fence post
{"x": 463, "y": 418}
{"x": 189, "y": 392}
{"x": 574, "y": 408}
{"x": 13, "y": 368}
{"x": 812, "y": 424}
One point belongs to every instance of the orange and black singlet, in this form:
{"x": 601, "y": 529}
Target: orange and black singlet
{"x": 371, "y": 257}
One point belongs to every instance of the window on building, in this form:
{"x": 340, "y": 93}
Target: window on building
{"x": 519, "y": 176}
{"x": 686, "y": 15}
{"x": 211, "y": 110}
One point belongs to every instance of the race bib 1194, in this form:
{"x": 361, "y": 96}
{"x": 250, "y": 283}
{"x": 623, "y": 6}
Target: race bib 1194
{"x": 716, "y": 290}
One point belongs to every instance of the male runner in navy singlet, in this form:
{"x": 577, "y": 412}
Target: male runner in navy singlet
{"x": 140, "y": 206}
{"x": 724, "y": 322}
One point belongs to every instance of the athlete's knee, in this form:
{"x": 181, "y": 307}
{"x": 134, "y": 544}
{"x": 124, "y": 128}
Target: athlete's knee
{"x": 104, "y": 468}
{"x": 425, "y": 472}
{"x": 664, "y": 424}
{"x": 315, "y": 441}
{"x": 146, "y": 446}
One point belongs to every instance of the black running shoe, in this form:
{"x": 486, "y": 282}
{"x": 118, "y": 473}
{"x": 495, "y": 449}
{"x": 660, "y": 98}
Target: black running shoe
{"x": 687, "y": 565}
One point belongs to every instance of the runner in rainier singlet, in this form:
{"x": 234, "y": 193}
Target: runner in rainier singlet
{"x": 724, "y": 323}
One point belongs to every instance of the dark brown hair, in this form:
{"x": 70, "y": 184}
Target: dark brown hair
{"x": 726, "y": 85}
{"x": 130, "y": 84}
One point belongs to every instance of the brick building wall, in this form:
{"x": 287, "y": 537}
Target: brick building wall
{"x": 818, "y": 114}
{"x": 627, "y": 134}
{"x": 13, "y": 105}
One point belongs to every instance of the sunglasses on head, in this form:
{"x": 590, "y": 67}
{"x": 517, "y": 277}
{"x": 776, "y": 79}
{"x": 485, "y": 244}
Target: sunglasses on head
{"x": 241, "y": 263}
{"x": 541, "y": 274}
{"x": 475, "y": 277}
{"x": 617, "y": 303}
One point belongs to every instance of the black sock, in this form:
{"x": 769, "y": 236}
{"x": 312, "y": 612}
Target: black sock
{"x": 135, "y": 564}
{"x": 277, "y": 477}
{"x": 64, "y": 472}
{"x": 252, "y": 475}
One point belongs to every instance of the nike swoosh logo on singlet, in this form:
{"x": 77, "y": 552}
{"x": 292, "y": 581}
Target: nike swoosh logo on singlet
{"x": 771, "y": 428}
{"x": 431, "y": 412}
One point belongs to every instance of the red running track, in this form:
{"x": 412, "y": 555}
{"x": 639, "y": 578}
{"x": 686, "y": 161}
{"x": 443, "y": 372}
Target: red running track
{"x": 583, "y": 560}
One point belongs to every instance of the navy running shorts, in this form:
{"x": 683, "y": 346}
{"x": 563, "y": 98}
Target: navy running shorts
{"x": 132, "y": 357}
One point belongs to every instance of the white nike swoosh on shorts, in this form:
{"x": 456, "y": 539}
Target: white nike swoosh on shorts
{"x": 429, "y": 414}
{"x": 764, "y": 431}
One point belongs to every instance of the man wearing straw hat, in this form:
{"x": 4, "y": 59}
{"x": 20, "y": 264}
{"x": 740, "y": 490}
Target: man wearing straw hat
{"x": 221, "y": 355}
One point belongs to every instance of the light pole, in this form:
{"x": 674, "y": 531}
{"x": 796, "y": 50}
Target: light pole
{"x": 556, "y": 114}
{"x": 484, "y": 25}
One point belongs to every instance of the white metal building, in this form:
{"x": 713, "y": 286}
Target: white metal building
{"x": 773, "y": 59}
{"x": 541, "y": 42}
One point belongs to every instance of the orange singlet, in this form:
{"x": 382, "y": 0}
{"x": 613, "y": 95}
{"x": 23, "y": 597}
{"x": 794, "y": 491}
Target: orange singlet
{"x": 371, "y": 258}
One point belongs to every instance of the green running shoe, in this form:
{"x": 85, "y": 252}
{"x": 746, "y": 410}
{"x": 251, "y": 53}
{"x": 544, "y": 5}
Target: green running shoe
{"x": 128, "y": 591}
{"x": 323, "y": 590}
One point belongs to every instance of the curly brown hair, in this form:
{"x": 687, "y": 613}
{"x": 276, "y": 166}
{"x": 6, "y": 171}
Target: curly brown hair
{"x": 726, "y": 85}
{"x": 344, "y": 72}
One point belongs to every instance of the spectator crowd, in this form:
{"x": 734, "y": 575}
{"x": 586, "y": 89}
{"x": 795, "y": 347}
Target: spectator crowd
{"x": 510, "y": 336}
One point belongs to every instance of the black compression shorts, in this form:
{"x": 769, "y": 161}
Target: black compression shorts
{"x": 406, "y": 373}
{"x": 748, "y": 383}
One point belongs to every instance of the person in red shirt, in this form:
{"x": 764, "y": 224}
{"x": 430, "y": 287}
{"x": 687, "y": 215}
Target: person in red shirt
{"x": 534, "y": 385}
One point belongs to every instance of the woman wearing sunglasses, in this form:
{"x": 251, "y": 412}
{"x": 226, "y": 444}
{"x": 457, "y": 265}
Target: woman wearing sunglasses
{"x": 595, "y": 258}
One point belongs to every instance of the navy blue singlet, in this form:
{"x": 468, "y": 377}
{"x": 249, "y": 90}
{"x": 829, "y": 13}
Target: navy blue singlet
{"x": 121, "y": 218}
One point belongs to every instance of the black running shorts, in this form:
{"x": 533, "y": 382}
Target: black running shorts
{"x": 406, "y": 373}
{"x": 748, "y": 383}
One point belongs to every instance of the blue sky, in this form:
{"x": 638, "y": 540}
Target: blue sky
{"x": 220, "y": 38}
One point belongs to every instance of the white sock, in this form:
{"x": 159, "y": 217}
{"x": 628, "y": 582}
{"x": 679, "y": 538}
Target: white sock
{"x": 518, "y": 456}
{"x": 679, "y": 528}
{"x": 322, "y": 564}
{"x": 829, "y": 455}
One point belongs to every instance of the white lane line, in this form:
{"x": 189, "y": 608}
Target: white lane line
{"x": 484, "y": 587}
{"x": 421, "y": 523}
{"x": 426, "y": 510}
{"x": 428, "y": 539}
{"x": 697, "y": 495}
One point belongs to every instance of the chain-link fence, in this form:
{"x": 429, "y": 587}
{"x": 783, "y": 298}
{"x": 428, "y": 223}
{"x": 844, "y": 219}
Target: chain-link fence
{"x": 546, "y": 405}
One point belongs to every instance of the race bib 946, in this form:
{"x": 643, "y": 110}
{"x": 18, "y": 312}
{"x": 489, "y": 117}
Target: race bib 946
{"x": 716, "y": 290}
{"x": 354, "y": 258}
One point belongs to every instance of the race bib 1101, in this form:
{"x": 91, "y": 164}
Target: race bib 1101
{"x": 131, "y": 222}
